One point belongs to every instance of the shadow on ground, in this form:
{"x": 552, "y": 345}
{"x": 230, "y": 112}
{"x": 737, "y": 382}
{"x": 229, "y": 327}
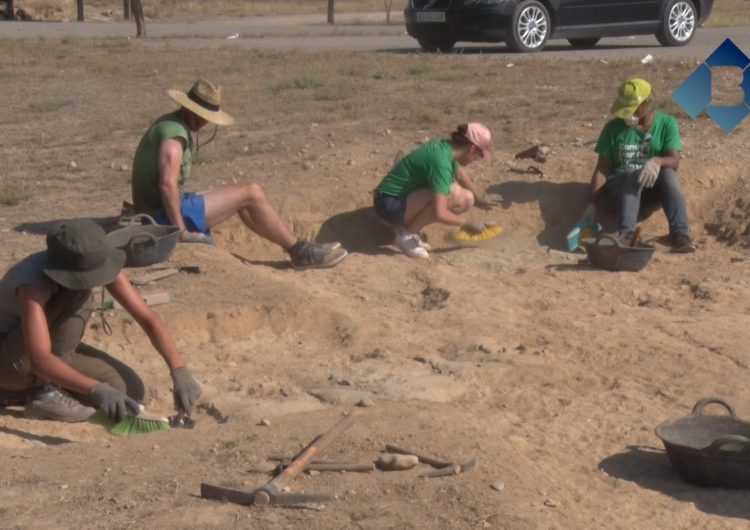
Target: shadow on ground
{"x": 358, "y": 231}
{"x": 42, "y": 227}
{"x": 650, "y": 468}
{"x": 502, "y": 49}
{"x": 46, "y": 440}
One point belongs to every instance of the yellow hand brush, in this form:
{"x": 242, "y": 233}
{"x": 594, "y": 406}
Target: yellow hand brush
{"x": 490, "y": 231}
{"x": 145, "y": 422}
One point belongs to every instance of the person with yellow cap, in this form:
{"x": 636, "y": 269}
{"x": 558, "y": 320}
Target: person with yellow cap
{"x": 162, "y": 164}
{"x": 636, "y": 171}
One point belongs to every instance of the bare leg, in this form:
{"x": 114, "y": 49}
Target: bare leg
{"x": 459, "y": 201}
{"x": 250, "y": 202}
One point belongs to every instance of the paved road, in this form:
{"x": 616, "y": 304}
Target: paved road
{"x": 355, "y": 31}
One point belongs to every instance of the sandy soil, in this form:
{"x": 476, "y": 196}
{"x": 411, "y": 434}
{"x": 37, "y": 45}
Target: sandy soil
{"x": 551, "y": 374}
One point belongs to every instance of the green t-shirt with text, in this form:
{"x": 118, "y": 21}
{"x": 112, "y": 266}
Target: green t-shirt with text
{"x": 429, "y": 166}
{"x": 145, "y": 178}
{"x": 628, "y": 148}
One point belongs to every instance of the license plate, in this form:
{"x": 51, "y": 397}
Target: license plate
{"x": 430, "y": 16}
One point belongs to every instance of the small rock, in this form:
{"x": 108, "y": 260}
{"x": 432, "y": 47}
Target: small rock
{"x": 497, "y": 486}
{"x": 313, "y": 472}
{"x": 388, "y": 131}
{"x": 350, "y": 162}
{"x": 307, "y": 166}
{"x": 73, "y": 165}
{"x": 550, "y": 503}
{"x": 124, "y": 167}
{"x": 364, "y": 403}
{"x": 246, "y": 149}
{"x": 391, "y": 462}
{"x": 265, "y": 422}
{"x": 263, "y": 467}
{"x": 286, "y": 489}
{"x": 63, "y": 486}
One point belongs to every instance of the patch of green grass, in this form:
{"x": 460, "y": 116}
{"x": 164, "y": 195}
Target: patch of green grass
{"x": 13, "y": 193}
{"x": 40, "y": 107}
{"x": 302, "y": 82}
{"x": 420, "y": 69}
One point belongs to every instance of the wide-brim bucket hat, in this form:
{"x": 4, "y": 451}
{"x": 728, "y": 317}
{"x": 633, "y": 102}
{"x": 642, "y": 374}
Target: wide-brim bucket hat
{"x": 80, "y": 256}
{"x": 204, "y": 99}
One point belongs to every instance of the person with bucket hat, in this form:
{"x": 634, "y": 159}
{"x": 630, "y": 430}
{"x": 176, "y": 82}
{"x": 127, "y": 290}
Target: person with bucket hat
{"x": 431, "y": 185}
{"x": 162, "y": 164}
{"x": 636, "y": 172}
{"x": 45, "y": 303}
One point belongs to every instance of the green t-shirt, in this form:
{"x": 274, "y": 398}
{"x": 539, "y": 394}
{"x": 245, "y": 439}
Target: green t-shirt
{"x": 628, "y": 148}
{"x": 429, "y": 166}
{"x": 145, "y": 179}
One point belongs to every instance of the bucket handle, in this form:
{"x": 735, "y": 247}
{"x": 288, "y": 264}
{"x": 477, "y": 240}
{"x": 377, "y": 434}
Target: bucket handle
{"x": 141, "y": 217}
{"x": 607, "y": 236}
{"x": 698, "y": 408}
{"x": 718, "y": 445}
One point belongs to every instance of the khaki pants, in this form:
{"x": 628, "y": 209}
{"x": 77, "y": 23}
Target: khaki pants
{"x": 67, "y": 314}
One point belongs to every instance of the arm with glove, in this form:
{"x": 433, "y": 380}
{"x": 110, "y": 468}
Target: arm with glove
{"x": 649, "y": 174}
{"x": 186, "y": 389}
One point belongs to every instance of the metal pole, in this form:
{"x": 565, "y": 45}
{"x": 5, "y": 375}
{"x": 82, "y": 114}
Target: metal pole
{"x": 80, "y": 10}
{"x": 330, "y": 12}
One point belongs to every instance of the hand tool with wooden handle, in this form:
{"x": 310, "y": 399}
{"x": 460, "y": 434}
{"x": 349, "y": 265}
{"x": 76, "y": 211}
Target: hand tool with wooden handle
{"x": 271, "y": 493}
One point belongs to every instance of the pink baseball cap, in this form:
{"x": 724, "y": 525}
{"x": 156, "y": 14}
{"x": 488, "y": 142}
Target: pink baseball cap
{"x": 480, "y": 136}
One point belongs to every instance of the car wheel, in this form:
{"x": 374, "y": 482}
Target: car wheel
{"x": 531, "y": 27}
{"x": 584, "y": 43}
{"x": 678, "y": 24}
{"x": 432, "y": 45}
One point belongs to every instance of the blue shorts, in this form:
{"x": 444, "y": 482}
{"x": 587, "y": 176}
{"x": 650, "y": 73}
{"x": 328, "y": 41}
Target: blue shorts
{"x": 193, "y": 208}
{"x": 390, "y": 209}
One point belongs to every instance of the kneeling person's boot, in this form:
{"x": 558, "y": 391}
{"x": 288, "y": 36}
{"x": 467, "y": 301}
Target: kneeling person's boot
{"x": 48, "y": 402}
{"x": 306, "y": 255}
{"x": 682, "y": 243}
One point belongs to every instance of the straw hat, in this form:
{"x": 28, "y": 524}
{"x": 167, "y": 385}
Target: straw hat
{"x": 204, "y": 100}
{"x": 80, "y": 256}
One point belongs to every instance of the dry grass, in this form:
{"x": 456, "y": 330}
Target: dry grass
{"x": 730, "y": 13}
{"x": 13, "y": 192}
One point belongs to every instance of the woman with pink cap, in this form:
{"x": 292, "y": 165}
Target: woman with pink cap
{"x": 430, "y": 185}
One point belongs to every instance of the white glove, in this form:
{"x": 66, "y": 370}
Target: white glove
{"x": 195, "y": 237}
{"x": 650, "y": 172}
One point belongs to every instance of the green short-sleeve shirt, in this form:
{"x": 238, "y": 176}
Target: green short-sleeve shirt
{"x": 429, "y": 166}
{"x": 145, "y": 179}
{"x": 628, "y": 148}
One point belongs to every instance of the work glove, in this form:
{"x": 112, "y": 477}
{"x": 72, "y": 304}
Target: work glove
{"x": 195, "y": 237}
{"x": 114, "y": 403}
{"x": 589, "y": 215}
{"x": 650, "y": 172}
{"x": 474, "y": 227}
{"x": 186, "y": 389}
{"x": 487, "y": 201}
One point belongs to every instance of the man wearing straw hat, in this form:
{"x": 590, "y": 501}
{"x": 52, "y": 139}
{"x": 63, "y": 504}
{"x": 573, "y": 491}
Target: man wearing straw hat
{"x": 162, "y": 164}
{"x": 45, "y": 303}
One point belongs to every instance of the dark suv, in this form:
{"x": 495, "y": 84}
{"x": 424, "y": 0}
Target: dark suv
{"x": 526, "y": 25}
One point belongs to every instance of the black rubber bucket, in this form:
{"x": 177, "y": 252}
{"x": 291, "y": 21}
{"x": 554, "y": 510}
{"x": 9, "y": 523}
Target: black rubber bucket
{"x": 606, "y": 251}
{"x": 708, "y": 450}
{"x": 145, "y": 244}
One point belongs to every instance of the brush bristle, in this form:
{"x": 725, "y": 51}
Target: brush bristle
{"x": 131, "y": 425}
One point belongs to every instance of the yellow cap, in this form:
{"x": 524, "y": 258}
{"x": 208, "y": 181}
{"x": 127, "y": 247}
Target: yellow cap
{"x": 631, "y": 94}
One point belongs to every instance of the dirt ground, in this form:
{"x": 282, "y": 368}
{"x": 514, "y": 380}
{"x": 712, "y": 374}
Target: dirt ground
{"x": 551, "y": 374}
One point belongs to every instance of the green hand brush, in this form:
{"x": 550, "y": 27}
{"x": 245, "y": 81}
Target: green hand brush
{"x": 145, "y": 422}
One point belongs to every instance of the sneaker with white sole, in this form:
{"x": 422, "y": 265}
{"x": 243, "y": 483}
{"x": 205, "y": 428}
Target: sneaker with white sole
{"x": 50, "y": 403}
{"x": 410, "y": 244}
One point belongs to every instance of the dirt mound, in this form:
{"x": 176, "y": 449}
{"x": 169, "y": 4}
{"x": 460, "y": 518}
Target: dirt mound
{"x": 732, "y": 225}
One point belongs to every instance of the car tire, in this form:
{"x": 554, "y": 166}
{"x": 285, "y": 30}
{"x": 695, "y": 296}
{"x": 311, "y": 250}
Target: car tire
{"x": 432, "y": 45}
{"x": 678, "y": 23}
{"x": 531, "y": 27}
{"x": 581, "y": 44}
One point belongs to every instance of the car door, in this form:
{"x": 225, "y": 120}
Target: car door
{"x": 577, "y": 13}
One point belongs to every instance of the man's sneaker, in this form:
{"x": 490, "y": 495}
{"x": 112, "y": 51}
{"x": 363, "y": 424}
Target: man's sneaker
{"x": 682, "y": 243}
{"x": 306, "y": 255}
{"x": 333, "y": 245}
{"x": 50, "y": 403}
{"x": 410, "y": 244}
